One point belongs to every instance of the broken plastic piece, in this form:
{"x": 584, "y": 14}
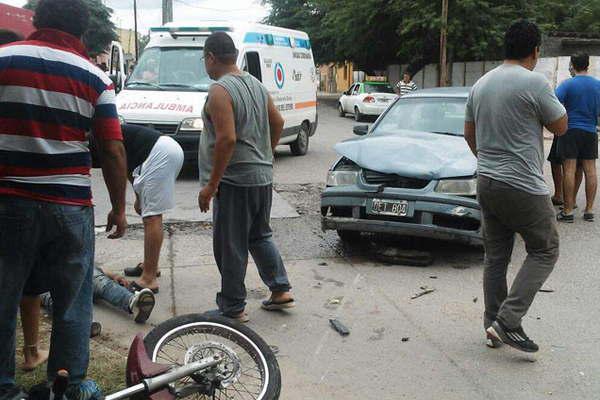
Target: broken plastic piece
{"x": 339, "y": 327}
{"x": 425, "y": 290}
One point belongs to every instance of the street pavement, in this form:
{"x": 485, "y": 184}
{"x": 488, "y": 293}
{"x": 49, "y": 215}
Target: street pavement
{"x": 399, "y": 348}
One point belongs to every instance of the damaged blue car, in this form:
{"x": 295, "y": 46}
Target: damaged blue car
{"x": 411, "y": 173}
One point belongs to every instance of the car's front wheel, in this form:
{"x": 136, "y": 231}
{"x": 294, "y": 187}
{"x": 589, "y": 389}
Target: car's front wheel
{"x": 300, "y": 146}
{"x": 358, "y": 117}
{"x": 349, "y": 236}
{"x": 341, "y": 111}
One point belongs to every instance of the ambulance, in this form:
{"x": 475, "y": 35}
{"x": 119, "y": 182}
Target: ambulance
{"x": 168, "y": 86}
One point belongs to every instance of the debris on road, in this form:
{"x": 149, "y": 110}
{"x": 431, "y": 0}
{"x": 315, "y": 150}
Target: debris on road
{"x": 547, "y": 290}
{"x": 274, "y": 348}
{"x": 335, "y": 300}
{"x": 433, "y": 277}
{"x": 424, "y": 290}
{"x": 405, "y": 339}
{"x": 475, "y": 299}
{"x": 322, "y": 264}
{"x": 339, "y": 327}
{"x": 401, "y": 256}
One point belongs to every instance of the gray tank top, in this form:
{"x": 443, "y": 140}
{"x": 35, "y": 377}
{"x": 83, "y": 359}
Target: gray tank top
{"x": 252, "y": 160}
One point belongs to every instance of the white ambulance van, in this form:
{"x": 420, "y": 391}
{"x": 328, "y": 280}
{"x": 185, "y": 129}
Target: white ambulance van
{"x": 168, "y": 86}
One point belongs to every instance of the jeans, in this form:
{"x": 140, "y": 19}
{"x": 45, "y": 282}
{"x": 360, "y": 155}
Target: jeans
{"x": 507, "y": 211}
{"x": 241, "y": 218}
{"x": 51, "y": 244}
{"x": 104, "y": 289}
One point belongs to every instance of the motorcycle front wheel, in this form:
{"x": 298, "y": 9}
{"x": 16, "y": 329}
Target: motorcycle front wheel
{"x": 249, "y": 369}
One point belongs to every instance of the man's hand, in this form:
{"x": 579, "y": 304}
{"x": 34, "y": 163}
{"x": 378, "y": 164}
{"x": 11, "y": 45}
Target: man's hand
{"x": 121, "y": 280}
{"x": 205, "y": 196}
{"x": 117, "y": 220}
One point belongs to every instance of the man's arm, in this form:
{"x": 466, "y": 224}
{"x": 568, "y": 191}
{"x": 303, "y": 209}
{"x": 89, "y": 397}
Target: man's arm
{"x": 114, "y": 169}
{"x": 276, "y": 123}
{"x": 470, "y": 137}
{"x": 559, "y": 127}
{"x": 220, "y": 110}
{"x": 551, "y": 109}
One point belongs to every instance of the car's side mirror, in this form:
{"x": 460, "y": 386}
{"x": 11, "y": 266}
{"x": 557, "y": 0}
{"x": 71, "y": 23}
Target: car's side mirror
{"x": 361, "y": 130}
{"x": 117, "y": 80}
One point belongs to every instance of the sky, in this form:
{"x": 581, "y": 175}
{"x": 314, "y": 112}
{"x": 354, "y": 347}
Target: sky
{"x": 184, "y": 11}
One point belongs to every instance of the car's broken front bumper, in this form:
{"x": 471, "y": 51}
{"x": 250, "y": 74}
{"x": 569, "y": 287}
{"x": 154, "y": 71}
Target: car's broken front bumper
{"x": 431, "y": 215}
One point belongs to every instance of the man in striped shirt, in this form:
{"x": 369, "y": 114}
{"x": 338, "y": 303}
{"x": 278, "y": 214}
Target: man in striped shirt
{"x": 51, "y": 99}
{"x": 406, "y": 85}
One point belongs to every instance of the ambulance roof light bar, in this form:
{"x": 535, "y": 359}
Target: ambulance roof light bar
{"x": 189, "y": 31}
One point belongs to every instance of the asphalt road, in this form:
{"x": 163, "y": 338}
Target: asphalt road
{"x": 431, "y": 347}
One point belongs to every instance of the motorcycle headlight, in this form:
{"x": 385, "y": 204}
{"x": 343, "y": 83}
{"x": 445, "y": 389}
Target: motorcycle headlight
{"x": 191, "y": 124}
{"x": 345, "y": 173}
{"x": 458, "y": 187}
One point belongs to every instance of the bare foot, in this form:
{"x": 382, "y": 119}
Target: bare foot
{"x": 34, "y": 357}
{"x": 281, "y": 297}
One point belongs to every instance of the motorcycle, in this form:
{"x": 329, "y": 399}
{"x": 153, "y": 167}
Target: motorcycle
{"x": 196, "y": 356}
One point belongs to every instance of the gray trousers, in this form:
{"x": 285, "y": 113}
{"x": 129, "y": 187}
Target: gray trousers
{"x": 507, "y": 211}
{"x": 241, "y": 224}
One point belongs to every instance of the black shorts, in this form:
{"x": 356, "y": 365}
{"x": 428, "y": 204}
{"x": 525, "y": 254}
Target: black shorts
{"x": 578, "y": 144}
{"x": 553, "y": 156}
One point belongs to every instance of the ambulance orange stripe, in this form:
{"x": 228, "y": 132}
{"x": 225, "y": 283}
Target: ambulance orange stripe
{"x": 305, "y": 104}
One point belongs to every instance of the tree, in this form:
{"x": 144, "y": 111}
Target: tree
{"x": 101, "y": 31}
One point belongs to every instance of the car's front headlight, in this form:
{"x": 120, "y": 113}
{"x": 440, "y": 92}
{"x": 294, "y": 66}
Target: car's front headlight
{"x": 458, "y": 187}
{"x": 191, "y": 124}
{"x": 345, "y": 173}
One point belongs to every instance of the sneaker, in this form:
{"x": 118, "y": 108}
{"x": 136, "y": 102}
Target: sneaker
{"x": 141, "y": 305}
{"x": 492, "y": 342}
{"x": 563, "y": 217}
{"x": 513, "y": 337}
{"x": 86, "y": 390}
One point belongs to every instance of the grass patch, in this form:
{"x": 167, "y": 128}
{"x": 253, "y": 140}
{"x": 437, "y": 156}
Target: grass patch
{"x": 107, "y": 361}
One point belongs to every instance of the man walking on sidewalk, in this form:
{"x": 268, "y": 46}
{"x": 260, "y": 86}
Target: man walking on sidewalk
{"x": 241, "y": 129}
{"x": 581, "y": 97}
{"x": 51, "y": 97}
{"x": 506, "y": 112}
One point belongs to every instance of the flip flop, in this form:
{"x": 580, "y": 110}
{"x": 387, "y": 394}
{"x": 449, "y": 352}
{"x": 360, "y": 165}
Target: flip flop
{"x": 136, "y": 287}
{"x": 241, "y": 318}
{"x": 589, "y": 217}
{"x": 270, "y": 305}
{"x": 137, "y": 271}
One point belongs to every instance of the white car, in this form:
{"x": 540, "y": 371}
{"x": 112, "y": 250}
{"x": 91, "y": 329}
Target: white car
{"x": 366, "y": 99}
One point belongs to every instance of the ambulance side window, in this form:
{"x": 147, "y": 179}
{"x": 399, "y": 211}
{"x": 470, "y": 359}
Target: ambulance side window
{"x": 252, "y": 64}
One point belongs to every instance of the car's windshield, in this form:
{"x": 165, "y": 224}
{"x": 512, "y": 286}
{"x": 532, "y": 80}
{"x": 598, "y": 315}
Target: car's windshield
{"x": 433, "y": 114}
{"x": 371, "y": 88}
{"x": 170, "y": 68}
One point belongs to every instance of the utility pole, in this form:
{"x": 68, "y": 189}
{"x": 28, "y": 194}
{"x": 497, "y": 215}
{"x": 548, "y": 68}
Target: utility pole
{"x": 167, "y": 11}
{"x": 135, "y": 30}
{"x": 443, "y": 45}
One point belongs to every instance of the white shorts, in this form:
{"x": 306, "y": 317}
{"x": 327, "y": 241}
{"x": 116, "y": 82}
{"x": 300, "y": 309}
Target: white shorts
{"x": 154, "y": 180}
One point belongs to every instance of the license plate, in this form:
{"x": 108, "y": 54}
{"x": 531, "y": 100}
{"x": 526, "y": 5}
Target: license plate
{"x": 396, "y": 208}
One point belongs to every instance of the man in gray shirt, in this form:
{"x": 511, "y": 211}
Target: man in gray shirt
{"x": 241, "y": 129}
{"x": 506, "y": 112}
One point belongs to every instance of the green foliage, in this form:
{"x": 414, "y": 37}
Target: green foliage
{"x": 101, "y": 31}
{"x": 374, "y": 33}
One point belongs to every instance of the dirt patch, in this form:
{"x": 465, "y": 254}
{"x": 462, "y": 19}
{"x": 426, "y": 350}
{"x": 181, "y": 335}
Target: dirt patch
{"x": 305, "y": 198}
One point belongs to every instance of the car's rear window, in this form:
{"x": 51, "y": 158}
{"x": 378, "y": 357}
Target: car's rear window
{"x": 372, "y": 88}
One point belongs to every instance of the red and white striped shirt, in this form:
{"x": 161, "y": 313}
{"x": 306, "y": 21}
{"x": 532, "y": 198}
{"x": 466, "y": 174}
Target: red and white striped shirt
{"x": 51, "y": 99}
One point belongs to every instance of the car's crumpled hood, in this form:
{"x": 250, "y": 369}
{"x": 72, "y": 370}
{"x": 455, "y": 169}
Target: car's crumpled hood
{"x": 419, "y": 155}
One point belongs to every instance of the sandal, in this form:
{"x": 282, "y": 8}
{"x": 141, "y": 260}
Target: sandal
{"x": 568, "y": 218}
{"x": 137, "y": 271}
{"x": 589, "y": 217}
{"x": 557, "y": 202}
{"x": 242, "y": 317}
{"x": 136, "y": 287}
{"x": 271, "y": 305}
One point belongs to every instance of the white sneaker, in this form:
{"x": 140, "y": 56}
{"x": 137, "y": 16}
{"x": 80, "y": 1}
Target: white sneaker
{"x": 141, "y": 305}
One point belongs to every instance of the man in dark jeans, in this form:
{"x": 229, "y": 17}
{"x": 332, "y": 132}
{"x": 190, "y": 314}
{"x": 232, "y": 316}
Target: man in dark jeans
{"x": 241, "y": 129}
{"x": 506, "y": 112}
{"x": 581, "y": 97}
{"x": 51, "y": 96}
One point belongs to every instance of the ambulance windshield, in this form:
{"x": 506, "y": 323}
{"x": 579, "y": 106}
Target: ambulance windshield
{"x": 171, "y": 69}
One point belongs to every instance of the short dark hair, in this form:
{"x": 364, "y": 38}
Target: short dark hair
{"x": 7, "y": 36}
{"x": 221, "y": 45}
{"x": 580, "y": 62}
{"x": 407, "y": 73}
{"x": 71, "y": 16}
{"x": 521, "y": 39}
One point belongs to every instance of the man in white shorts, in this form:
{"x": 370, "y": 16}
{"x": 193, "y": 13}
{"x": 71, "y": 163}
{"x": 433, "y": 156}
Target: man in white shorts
{"x": 153, "y": 163}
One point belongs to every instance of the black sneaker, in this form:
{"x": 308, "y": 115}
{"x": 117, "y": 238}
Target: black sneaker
{"x": 513, "y": 337}
{"x": 492, "y": 342}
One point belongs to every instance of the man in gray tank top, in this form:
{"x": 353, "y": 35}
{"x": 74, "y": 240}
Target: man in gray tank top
{"x": 241, "y": 129}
